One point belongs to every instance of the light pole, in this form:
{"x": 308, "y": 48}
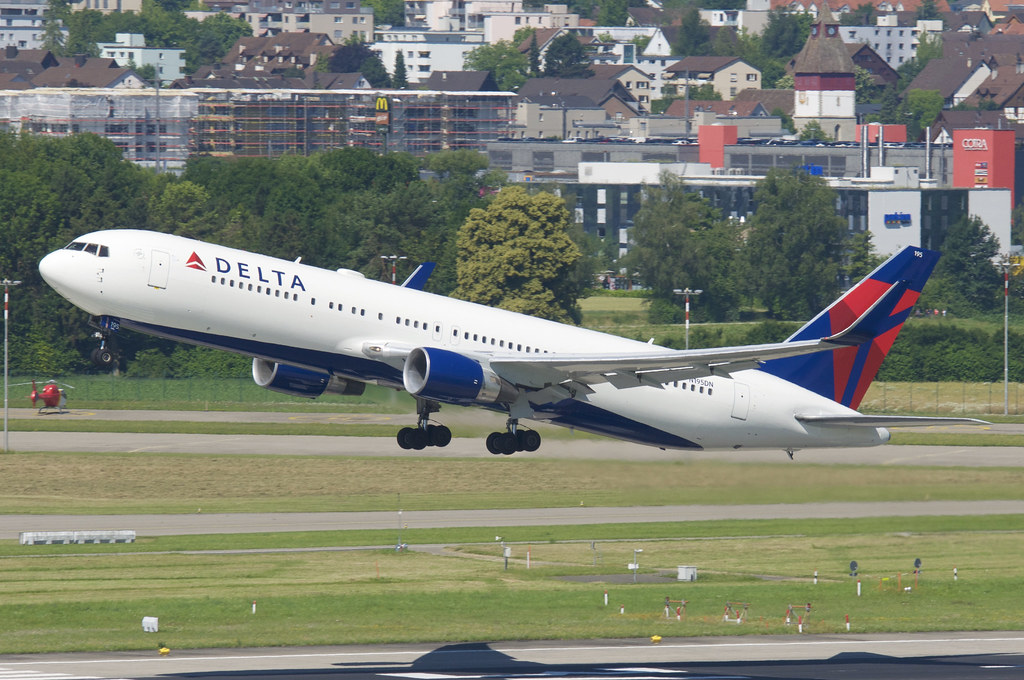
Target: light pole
{"x": 636, "y": 565}
{"x": 7, "y": 284}
{"x": 687, "y": 292}
{"x": 1006, "y": 265}
{"x": 394, "y": 259}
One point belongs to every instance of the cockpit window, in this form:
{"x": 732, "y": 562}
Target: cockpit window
{"x": 91, "y": 248}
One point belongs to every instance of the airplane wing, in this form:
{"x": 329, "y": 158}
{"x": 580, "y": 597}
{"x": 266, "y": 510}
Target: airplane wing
{"x": 649, "y": 368}
{"x": 857, "y": 420}
{"x": 656, "y": 369}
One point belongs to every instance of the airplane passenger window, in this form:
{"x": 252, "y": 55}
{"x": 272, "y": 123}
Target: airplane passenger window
{"x": 502, "y": 344}
{"x": 709, "y": 391}
{"x": 362, "y": 312}
{"x": 231, "y": 283}
{"x": 312, "y": 301}
{"x": 474, "y": 337}
{"x": 222, "y": 280}
{"x": 250, "y": 286}
{"x": 286, "y": 295}
{"x": 519, "y": 347}
{"x": 415, "y": 324}
{"x": 398, "y": 319}
{"x": 277, "y": 293}
{"x": 213, "y": 279}
{"x": 380, "y": 316}
{"x": 330, "y": 305}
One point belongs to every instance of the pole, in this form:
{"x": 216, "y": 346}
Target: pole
{"x": 1006, "y": 265}
{"x": 687, "y": 292}
{"x": 394, "y": 262}
{"x": 7, "y": 284}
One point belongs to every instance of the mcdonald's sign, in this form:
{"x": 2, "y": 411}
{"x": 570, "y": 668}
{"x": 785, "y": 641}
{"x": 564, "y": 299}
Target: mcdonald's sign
{"x": 383, "y": 116}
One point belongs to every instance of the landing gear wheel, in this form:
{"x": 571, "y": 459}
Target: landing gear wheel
{"x": 439, "y": 435}
{"x": 418, "y": 438}
{"x": 491, "y": 443}
{"x": 403, "y": 437}
{"x": 528, "y": 440}
{"x": 506, "y": 443}
{"x": 103, "y": 357}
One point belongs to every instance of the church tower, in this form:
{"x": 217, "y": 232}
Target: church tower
{"x": 824, "y": 81}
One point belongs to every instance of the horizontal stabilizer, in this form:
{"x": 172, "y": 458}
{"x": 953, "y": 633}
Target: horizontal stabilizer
{"x": 858, "y": 420}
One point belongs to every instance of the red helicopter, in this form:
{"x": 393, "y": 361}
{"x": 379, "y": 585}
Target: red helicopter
{"x": 52, "y": 395}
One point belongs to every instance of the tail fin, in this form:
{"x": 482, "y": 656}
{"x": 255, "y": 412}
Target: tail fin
{"x": 844, "y": 374}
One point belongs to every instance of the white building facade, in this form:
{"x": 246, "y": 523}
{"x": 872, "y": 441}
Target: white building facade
{"x": 130, "y": 49}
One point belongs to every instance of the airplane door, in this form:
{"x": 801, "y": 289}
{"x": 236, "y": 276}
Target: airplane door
{"x": 740, "y": 401}
{"x": 159, "y": 268}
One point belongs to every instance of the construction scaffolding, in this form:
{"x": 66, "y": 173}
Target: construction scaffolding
{"x": 276, "y": 122}
{"x": 151, "y": 127}
{"x": 161, "y": 129}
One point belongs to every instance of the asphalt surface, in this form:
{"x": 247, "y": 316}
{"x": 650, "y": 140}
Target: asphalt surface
{"x": 553, "y": 448}
{"x": 937, "y": 656}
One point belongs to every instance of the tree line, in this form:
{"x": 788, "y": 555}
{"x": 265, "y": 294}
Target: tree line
{"x": 495, "y": 244}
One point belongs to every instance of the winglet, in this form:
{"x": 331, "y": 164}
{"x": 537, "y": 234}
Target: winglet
{"x": 418, "y": 278}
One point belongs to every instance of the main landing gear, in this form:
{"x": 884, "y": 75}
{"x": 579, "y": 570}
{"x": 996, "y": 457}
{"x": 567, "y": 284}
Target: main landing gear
{"x": 512, "y": 440}
{"x": 425, "y": 433}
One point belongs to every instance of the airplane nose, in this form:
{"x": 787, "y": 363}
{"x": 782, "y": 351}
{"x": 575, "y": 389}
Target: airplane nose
{"x": 51, "y": 268}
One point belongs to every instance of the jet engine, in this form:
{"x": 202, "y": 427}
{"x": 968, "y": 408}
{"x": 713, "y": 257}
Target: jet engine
{"x": 301, "y": 382}
{"x": 452, "y": 377}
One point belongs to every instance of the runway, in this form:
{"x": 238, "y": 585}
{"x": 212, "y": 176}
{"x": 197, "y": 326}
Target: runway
{"x": 938, "y": 656}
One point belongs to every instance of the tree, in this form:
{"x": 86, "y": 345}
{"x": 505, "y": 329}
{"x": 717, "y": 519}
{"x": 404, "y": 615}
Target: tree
{"x": 399, "y": 79}
{"x": 862, "y": 258}
{"x": 681, "y": 241}
{"x": 613, "y": 13}
{"x": 812, "y": 132}
{"x": 391, "y": 12}
{"x": 927, "y": 10}
{"x": 965, "y": 280}
{"x": 794, "y": 237}
{"x": 785, "y": 33}
{"x": 509, "y": 66}
{"x": 517, "y": 254}
{"x": 349, "y": 58}
{"x": 53, "y": 36}
{"x": 863, "y": 15}
{"x": 694, "y": 35}
{"x": 534, "y": 57}
{"x": 920, "y": 108}
{"x": 567, "y": 58}
{"x": 374, "y": 72}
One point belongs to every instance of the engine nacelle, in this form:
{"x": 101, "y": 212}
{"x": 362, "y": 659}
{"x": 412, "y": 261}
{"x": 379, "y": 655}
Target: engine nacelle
{"x": 449, "y": 376}
{"x": 300, "y": 382}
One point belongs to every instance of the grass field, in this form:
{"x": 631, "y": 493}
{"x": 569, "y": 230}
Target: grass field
{"x": 162, "y": 483}
{"x": 96, "y": 601}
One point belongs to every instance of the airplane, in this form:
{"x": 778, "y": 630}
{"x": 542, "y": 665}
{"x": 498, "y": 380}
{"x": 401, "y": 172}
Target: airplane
{"x": 312, "y": 331}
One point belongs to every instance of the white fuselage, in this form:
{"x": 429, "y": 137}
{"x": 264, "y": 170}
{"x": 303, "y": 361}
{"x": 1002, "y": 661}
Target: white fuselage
{"x": 320, "y": 319}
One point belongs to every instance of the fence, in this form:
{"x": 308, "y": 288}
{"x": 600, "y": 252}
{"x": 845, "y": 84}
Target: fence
{"x": 946, "y": 398}
{"x": 942, "y": 398}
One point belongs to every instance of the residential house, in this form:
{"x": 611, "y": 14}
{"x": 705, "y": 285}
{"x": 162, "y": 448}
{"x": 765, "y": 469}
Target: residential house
{"x": 896, "y": 44}
{"x": 772, "y": 100}
{"x": 425, "y": 51}
{"x": 21, "y": 23}
{"x": 948, "y": 121}
{"x": 339, "y": 19}
{"x": 129, "y": 50}
{"x": 866, "y": 58}
{"x": 502, "y": 24}
{"x": 728, "y": 75}
{"x": 461, "y": 81}
{"x": 89, "y": 72}
{"x": 632, "y": 78}
{"x": 1003, "y": 90}
{"x": 278, "y": 53}
{"x": 26, "y": 64}
{"x": 547, "y": 107}
{"x": 954, "y": 78}
{"x": 107, "y": 6}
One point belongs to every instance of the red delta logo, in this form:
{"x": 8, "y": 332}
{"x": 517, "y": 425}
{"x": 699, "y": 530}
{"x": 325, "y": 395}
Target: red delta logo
{"x": 194, "y": 262}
